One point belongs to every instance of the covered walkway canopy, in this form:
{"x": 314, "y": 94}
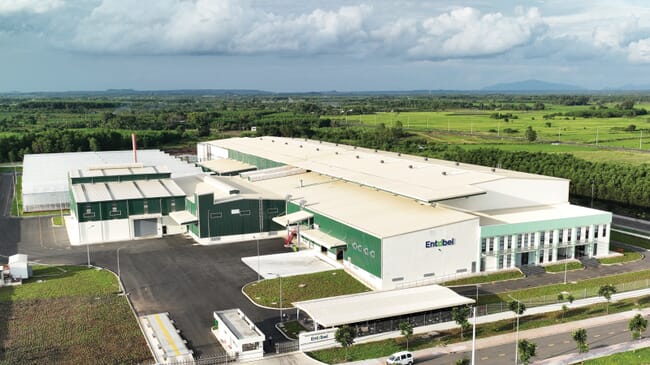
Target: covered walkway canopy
{"x": 322, "y": 239}
{"x": 293, "y": 218}
{"x": 347, "y": 309}
{"x": 183, "y": 217}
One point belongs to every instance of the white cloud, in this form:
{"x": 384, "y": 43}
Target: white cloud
{"x": 28, "y": 6}
{"x": 466, "y": 32}
{"x": 639, "y": 51}
{"x": 216, "y": 26}
{"x": 237, "y": 27}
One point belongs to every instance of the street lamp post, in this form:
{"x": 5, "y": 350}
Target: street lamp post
{"x": 279, "y": 277}
{"x": 88, "y": 253}
{"x": 517, "y": 333}
{"x": 119, "y": 273}
{"x": 474, "y": 335}
{"x": 565, "y": 266}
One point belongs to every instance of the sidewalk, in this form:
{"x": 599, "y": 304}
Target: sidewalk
{"x": 436, "y": 352}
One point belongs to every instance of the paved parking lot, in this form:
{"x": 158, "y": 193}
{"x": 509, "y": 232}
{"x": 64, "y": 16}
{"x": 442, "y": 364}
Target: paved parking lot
{"x": 169, "y": 274}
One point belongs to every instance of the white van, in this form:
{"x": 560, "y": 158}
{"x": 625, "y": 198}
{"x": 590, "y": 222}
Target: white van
{"x": 401, "y": 358}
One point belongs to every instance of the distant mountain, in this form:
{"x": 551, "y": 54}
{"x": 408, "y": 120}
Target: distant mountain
{"x": 631, "y": 87}
{"x": 532, "y": 86}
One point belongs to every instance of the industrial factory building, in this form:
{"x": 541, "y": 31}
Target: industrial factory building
{"x": 395, "y": 220}
{"x": 392, "y": 220}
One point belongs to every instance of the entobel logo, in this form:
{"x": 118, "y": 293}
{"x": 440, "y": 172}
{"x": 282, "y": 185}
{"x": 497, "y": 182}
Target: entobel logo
{"x": 440, "y": 243}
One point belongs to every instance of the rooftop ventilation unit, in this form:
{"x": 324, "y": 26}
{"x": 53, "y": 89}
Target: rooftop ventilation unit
{"x": 381, "y": 161}
{"x": 444, "y": 173}
{"x": 410, "y": 166}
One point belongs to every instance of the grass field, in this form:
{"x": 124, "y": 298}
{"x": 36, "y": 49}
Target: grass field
{"x": 476, "y": 129}
{"x": 500, "y": 276}
{"x": 570, "y": 266}
{"x": 386, "y": 347}
{"x": 303, "y": 287}
{"x": 637, "y": 357}
{"x": 604, "y": 131}
{"x": 72, "y": 316}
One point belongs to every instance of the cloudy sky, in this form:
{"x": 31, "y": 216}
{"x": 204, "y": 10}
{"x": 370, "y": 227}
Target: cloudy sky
{"x": 288, "y": 45}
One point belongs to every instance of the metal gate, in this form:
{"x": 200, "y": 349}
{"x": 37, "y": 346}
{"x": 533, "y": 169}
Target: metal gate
{"x": 145, "y": 227}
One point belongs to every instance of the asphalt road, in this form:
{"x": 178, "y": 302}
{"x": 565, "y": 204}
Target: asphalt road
{"x": 547, "y": 347}
{"x": 169, "y": 274}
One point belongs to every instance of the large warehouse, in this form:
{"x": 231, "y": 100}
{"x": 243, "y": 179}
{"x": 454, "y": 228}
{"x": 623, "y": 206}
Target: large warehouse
{"x": 396, "y": 220}
{"x": 45, "y": 175}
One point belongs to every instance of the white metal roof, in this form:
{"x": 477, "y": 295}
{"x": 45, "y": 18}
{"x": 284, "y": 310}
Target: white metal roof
{"x": 410, "y": 176}
{"x": 124, "y": 190}
{"x": 17, "y": 258}
{"x": 536, "y": 213}
{"x": 167, "y": 344}
{"x": 48, "y": 172}
{"x": 293, "y": 218}
{"x": 354, "y": 308}
{"x": 235, "y": 320}
{"x": 183, "y": 217}
{"x": 227, "y": 166}
{"x": 97, "y": 192}
{"x": 322, "y": 238}
{"x": 375, "y": 212}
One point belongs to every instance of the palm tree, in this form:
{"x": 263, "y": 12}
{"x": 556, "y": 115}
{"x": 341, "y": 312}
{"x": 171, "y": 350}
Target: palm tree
{"x": 580, "y": 337}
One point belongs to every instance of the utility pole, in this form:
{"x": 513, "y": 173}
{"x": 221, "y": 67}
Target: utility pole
{"x": 16, "y": 197}
{"x": 261, "y": 221}
{"x": 474, "y": 336}
{"x": 641, "y": 140}
{"x": 596, "y": 136}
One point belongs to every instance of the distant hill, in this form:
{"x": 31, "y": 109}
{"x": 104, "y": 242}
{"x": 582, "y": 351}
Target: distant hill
{"x": 531, "y": 86}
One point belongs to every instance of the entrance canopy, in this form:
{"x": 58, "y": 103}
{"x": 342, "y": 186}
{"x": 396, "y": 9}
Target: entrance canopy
{"x": 347, "y": 309}
{"x": 322, "y": 239}
{"x": 293, "y": 218}
{"x": 183, "y": 217}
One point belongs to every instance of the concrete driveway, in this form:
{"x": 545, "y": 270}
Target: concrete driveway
{"x": 287, "y": 264}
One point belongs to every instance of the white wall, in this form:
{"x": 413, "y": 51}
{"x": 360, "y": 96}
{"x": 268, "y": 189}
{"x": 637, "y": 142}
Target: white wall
{"x": 315, "y": 340}
{"x": 172, "y": 226}
{"x": 514, "y": 193}
{"x": 206, "y": 151}
{"x": 407, "y": 255}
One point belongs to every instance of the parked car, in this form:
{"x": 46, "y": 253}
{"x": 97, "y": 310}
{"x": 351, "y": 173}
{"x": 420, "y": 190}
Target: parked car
{"x": 401, "y": 358}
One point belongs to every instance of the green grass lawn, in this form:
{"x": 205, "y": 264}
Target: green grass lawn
{"x": 499, "y": 276}
{"x": 570, "y": 266}
{"x": 72, "y": 316}
{"x": 292, "y": 329}
{"x": 303, "y": 287}
{"x": 628, "y": 256}
{"x": 386, "y": 347}
{"x": 58, "y": 220}
{"x": 636, "y": 357}
{"x": 630, "y": 240}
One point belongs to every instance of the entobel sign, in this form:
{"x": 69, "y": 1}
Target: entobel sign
{"x": 440, "y": 243}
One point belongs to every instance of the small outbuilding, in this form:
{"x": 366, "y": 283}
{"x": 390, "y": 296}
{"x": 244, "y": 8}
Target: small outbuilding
{"x": 238, "y": 334}
{"x": 19, "y": 268}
